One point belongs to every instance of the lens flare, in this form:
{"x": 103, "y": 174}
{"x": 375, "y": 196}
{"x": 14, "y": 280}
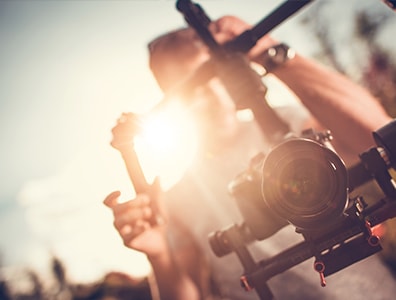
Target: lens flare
{"x": 167, "y": 143}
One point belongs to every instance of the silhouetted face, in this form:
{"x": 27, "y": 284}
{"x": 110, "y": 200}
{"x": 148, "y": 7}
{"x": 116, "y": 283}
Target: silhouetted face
{"x": 176, "y": 56}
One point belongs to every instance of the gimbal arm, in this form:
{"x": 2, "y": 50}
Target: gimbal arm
{"x": 242, "y": 83}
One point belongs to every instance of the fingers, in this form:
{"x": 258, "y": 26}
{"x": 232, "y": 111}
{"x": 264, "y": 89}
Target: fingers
{"x": 125, "y": 117}
{"x": 112, "y": 199}
{"x": 132, "y": 212}
{"x": 228, "y": 27}
{"x": 128, "y": 121}
{"x": 127, "y": 126}
{"x": 132, "y": 218}
{"x": 129, "y": 233}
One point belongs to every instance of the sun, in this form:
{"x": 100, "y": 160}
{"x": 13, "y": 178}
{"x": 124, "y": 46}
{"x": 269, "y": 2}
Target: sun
{"x": 167, "y": 143}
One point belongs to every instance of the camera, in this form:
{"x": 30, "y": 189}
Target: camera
{"x": 301, "y": 181}
{"x": 304, "y": 183}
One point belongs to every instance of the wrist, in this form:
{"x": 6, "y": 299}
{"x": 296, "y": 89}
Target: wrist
{"x": 161, "y": 255}
{"x": 160, "y": 260}
{"x": 275, "y": 57}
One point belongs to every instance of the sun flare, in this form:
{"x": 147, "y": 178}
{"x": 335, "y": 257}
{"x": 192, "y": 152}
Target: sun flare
{"x": 167, "y": 143}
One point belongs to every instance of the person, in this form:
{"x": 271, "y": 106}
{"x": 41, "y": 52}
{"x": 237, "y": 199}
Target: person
{"x": 182, "y": 260}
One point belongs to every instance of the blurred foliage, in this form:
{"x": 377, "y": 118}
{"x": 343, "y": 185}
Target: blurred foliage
{"x": 113, "y": 286}
{"x": 377, "y": 70}
{"x": 380, "y": 74}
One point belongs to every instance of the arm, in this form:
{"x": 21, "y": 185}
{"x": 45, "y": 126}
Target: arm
{"x": 172, "y": 282}
{"x": 140, "y": 223}
{"x": 131, "y": 221}
{"x": 335, "y": 102}
{"x": 341, "y": 105}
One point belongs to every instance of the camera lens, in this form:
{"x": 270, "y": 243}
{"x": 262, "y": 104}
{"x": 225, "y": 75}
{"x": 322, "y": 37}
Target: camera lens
{"x": 305, "y": 183}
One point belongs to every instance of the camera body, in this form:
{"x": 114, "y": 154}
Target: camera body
{"x": 301, "y": 181}
{"x": 304, "y": 183}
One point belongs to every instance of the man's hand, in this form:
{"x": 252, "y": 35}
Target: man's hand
{"x": 125, "y": 130}
{"x": 229, "y": 27}
{"x": 132, "y": 219}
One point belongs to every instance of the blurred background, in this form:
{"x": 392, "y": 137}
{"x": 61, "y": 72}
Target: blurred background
{"x": 68, "y": 69}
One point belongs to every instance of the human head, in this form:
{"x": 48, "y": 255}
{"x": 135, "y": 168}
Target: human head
{"x": 178, "y": 51}
{"x": 173, "y": 57}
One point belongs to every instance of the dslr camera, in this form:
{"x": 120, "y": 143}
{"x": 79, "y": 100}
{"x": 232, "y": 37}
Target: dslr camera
{"x": 304, "y": 183}
{"x": 301, "y": 182}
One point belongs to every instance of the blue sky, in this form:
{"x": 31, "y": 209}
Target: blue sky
{"x": 67, "y": 71}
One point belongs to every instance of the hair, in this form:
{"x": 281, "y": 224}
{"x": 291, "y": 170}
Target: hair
{"x": 171, "y": 53}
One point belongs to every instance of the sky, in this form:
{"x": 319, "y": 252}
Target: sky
{"x": 68, "y": 69}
